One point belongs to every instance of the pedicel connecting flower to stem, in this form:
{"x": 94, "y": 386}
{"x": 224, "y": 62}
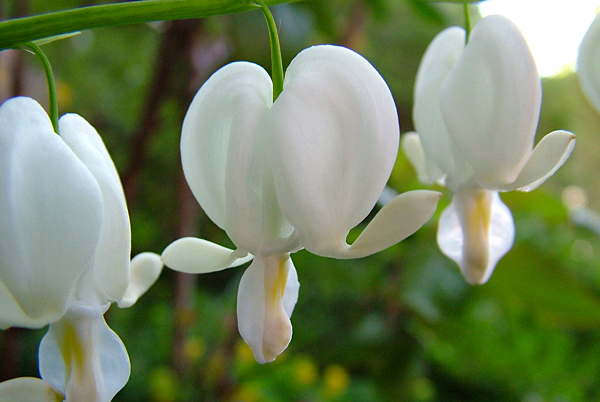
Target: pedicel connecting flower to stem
{"x": 64, "y": 253}
{"x": 476, "y": 112}
{"x": 286, "y": 164}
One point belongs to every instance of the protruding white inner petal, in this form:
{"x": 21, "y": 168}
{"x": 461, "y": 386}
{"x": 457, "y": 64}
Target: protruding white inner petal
{"x": 263, "y": 306}
{"x": 476, "y": 230}
{"x": 82, "y": 357}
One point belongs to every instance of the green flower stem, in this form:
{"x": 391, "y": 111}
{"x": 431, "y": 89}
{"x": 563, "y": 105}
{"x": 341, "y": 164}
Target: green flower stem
{"x": 51, "y": 84}
{"x": 21, "y": 30}
{"x": 468, "y": 21}
{"x": 277, "y": 64}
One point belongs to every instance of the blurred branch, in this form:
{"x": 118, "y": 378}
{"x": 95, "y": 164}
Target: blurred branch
{"x": 26, "y": 29}
{"x": 172, "y": 58}
{"x": 355, "y": 28}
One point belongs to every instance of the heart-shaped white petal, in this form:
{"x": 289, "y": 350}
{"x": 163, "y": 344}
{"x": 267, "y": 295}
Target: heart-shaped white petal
{"x": 588, "y": 63}
{"x": 266, "y": 297}
{"x": 224, "y": 151}
{"x": 50, "y": 216}
{"x": 144, "y": 270}
{"x": 475, "y": 231}
{"x": 198, "y": 256}
{"x": 111, "y": 265}
{"x": 335, "y": 134}
{"x": 82, "y": 357}
{"x": 549, "y": 155}
{"x": 435, "y": 66}
{"x": 29, "y": 389}
{"x": 491, "y": 101}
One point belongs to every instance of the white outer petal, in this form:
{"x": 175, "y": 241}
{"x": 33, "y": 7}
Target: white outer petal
{"x": 398, "y": 219}
{"x": 111, "y": 265}
{"x": 224, "y": 148}
{"x": 50, "y": 216}
{"x": 491, "y": 102}
{"x": 437, "y": 62}
{"x": 547, "y": 157}
{"x": 145, "y": 268}
{"x": 197, "y": 256}
{"x": 98, "y": 365}
{"x": 264, "y": 306}
{"x": 28, "y": 389}
{"x": 335, "y": 135}
{"x": 588, "y": 63}
{"x": 413, "y": 149}
{"x": 476, "y": 232}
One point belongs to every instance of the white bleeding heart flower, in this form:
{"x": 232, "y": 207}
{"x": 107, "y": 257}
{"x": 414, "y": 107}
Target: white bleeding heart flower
{"x": 476, "y": 112}
{"x": 296, "y": 173}
{"x": 64, "y": 252}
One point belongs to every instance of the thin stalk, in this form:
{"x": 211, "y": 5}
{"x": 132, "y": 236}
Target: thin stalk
{"x": 468, "y": 21}
{"x": 276, "y": 63}
{"x": 51, "y": 83}
{"x": 21, "y": 30}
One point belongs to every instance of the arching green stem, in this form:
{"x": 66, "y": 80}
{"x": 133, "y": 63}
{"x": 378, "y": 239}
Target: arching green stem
{"x": 21, "y": 30}
{"x": 468, "y": 22}
{"x": 277, "y": 64}
{"x": 51, "y": 84}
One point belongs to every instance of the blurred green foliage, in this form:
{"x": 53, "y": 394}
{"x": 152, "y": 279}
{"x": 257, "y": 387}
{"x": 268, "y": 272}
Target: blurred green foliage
{"x": 401, "y": 325}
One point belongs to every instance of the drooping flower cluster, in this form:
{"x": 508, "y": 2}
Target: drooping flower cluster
{"x": 64, "y": 253}
{"x": 476, "y": 112}
{"x": 278, "y": 175}
{"x": 296, "y": 173}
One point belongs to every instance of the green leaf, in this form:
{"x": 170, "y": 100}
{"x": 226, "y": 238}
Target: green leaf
{"x": 529, "y": 278}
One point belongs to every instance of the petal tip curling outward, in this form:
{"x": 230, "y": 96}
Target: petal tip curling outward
{"x": 547, "y": 157}
{"x": 29, "y": 389}
{"x": 476, "y": 230}
{"x": 145, "y": 268}
{"x": 196, "y": 256}
{"x": 266, "y": 298}
{"x": 588, "y": 63}
{"x": 397, "y": 220}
